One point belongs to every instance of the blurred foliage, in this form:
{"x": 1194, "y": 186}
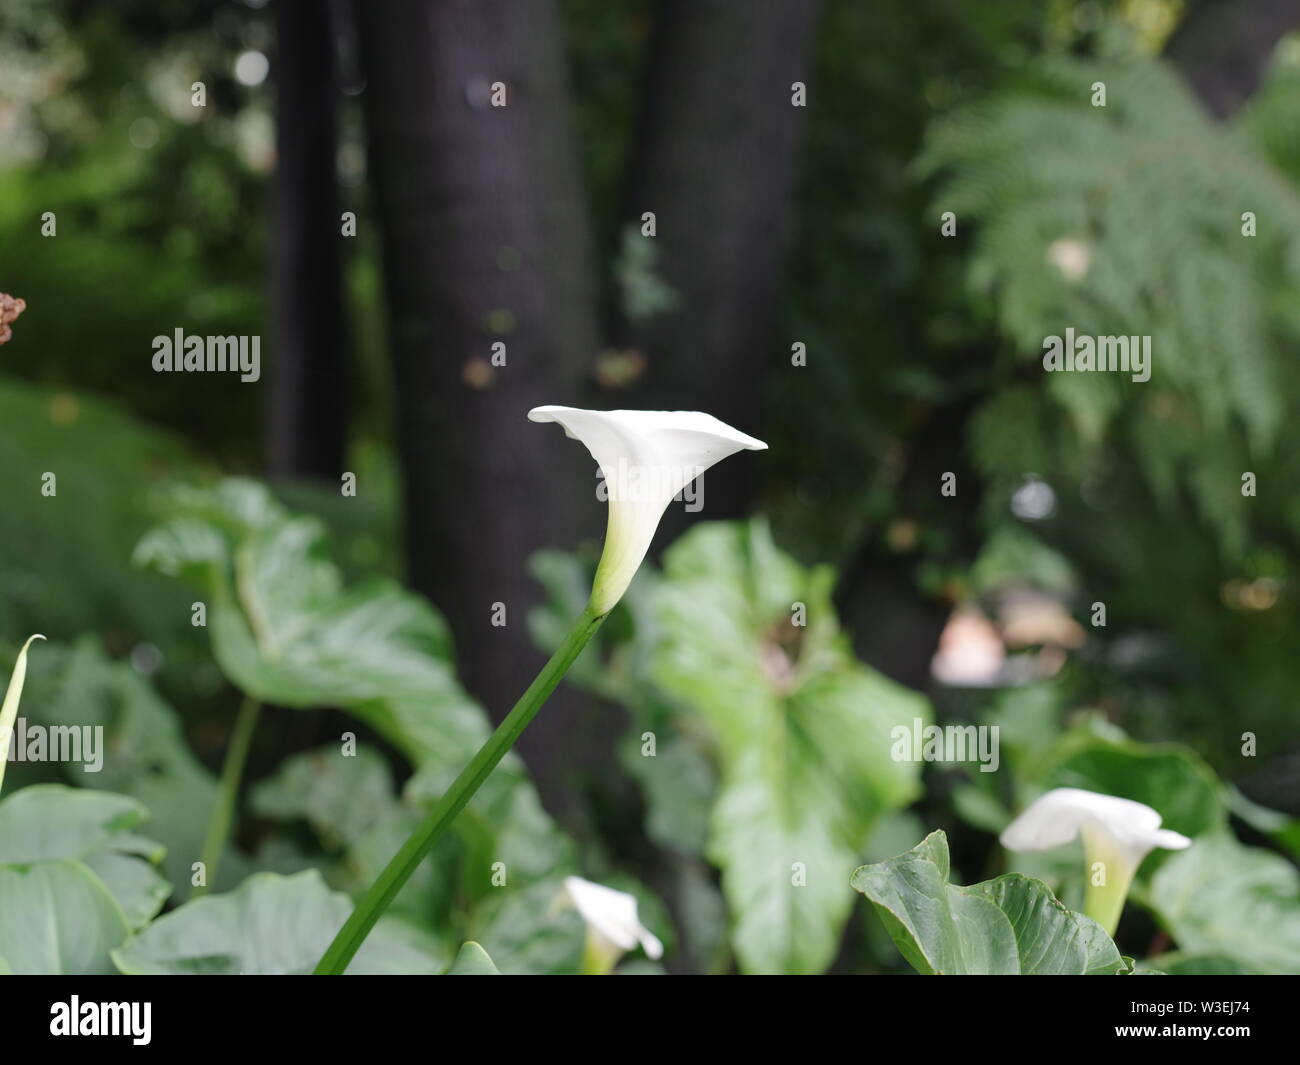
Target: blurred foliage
{"x": 760, "y": 743}
{"x": 770, "y": 738}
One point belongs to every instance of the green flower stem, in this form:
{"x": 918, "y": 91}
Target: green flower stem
{"x": 385, "y": 888}
{"x": 232, "y": 771}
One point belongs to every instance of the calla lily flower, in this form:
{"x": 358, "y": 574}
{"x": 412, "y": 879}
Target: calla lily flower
{"x": 613, "y": 927}
{"x": 1117, "y": 835}
{"x": 9, "y": 709}
{"x": 647, "y": 457}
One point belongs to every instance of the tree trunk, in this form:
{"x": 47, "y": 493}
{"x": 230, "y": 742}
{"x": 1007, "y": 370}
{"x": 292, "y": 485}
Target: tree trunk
{"x": 715, "y": 159}
{"x": 1223, "y": 47}
{"x": 307, "y": 430}
{"x": 485, "y": 241}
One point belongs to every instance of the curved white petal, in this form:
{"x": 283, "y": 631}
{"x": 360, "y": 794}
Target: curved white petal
{"x": 612, "y": 916}
{"x": 1171, "y": 840}
{"x": 1060, "y": 815}
{"x": 646, "y": 457}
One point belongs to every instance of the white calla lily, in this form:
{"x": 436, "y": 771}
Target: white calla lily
{"x": 1117, "y": 835}
{"x": 647, "y": 457}
{"x": 613, "y": 927}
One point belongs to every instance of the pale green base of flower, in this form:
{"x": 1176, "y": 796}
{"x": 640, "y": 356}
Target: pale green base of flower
{"x": 599, "y": 955}
{"x": 1105, "y": 902}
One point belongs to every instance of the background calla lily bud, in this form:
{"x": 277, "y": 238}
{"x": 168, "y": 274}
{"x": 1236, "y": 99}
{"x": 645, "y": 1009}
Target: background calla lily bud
{"x": 646, "y": 457}
{"x": 9, "y": 709}
{"x": 1117, "y": 834}
{"x": 613, "y": 927}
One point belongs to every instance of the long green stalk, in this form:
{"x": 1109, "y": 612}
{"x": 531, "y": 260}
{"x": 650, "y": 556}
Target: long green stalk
{"x": 386, "y": 886}
{"x": 232, "y": 771}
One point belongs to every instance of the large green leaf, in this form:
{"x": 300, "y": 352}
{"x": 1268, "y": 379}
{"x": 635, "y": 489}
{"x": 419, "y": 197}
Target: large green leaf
{"x": 269, "y": 925}
{"x": 340, "y": 796}
{"x": 285, "y": 630}
{"x": 1235, "y": 903}
{"x": 57, "y": 918}
{"x": 801, "y": 732}
{"x": 145, "y": 753}
{"x": 49, "y": 822}
{"x": 52, "y": 821}
{"x": 1012, "y": 925}
{"x": 1168, "y": 777}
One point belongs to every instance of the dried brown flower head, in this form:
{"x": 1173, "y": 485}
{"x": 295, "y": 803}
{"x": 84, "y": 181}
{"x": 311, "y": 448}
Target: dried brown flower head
{"x": 10, "y": 308}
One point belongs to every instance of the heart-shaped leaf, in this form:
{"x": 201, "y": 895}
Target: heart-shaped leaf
{"x": 1232, "y": 902}
{"x": 1012, "y": 925}
{"x": 49, "y": 822}
{"x": 270, "y": 924}
{"x": 57, "y": 918}
{"x": 749, "y": 644}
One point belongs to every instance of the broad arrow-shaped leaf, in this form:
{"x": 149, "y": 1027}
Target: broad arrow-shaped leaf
{"x": 1012, "y": 925}
{"x": 801, "y": 731}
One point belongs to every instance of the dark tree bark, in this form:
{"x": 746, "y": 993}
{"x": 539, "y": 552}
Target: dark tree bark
{"x": 715, "y": 159}
{"x": 307, "y": 430}
{"x": 1223, "y": 47}
{"x": 485, "y": 240}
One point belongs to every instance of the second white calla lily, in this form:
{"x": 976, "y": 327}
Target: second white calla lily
{"x": 646, "y": 457}
{"x": 613, "y": 927}
{"x": 1117, "y": 835}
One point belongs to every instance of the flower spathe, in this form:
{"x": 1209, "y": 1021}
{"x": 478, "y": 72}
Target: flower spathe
{"x": 613, "y": 927}
{"x": 1117, "y": 835}
{"x": 646, "y": 457}
{"x": 9, "y": 709}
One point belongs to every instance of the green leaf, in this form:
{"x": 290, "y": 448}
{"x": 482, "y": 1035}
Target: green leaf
{"x": 286, "y": 631}
{"x": 269, "y": 925}
{"x": 339, "y": 796}
{"x": 1009, "y": 926}
{"x": 137, "y": 887}
{"x": 473, "y": 960}
{"x": 57, "y": 918}
{"x": 801, "y": 732}
{"x": 50, "y": 822}
{"x": 528, "y": 932}
{"x": 145, "y": 755}
{"x": 1169, "y": 778}
{"x": 1226, "y": 900}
